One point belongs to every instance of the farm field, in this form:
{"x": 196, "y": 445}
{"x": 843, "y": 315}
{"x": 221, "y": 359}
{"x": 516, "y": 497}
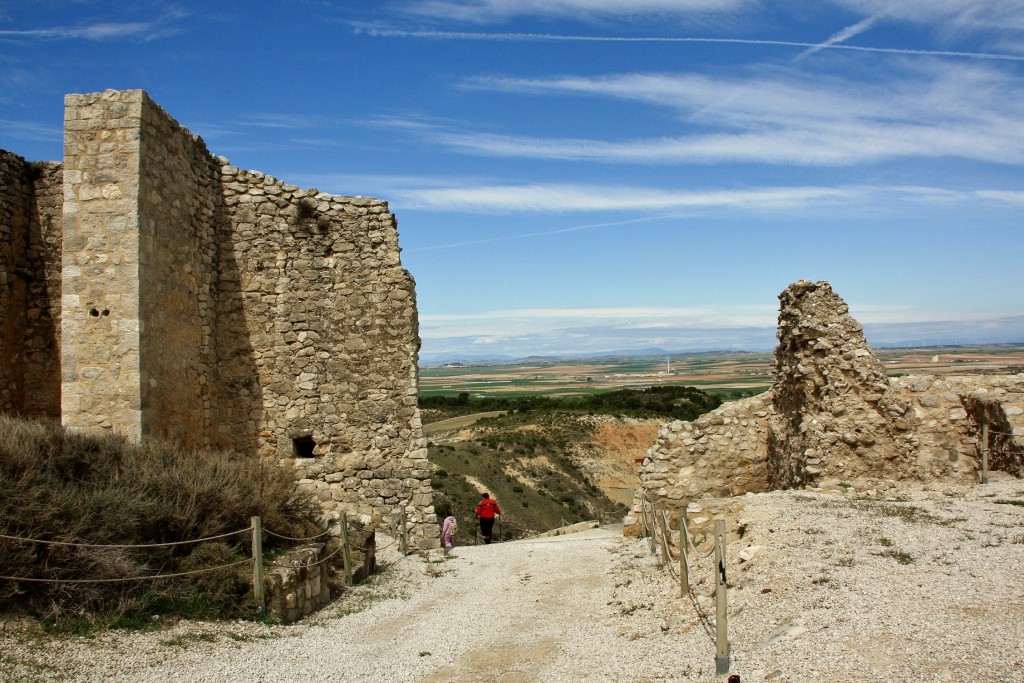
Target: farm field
{"x": 730, "y": 374}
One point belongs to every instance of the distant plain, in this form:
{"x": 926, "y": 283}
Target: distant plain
{"x": 729, "y": 374}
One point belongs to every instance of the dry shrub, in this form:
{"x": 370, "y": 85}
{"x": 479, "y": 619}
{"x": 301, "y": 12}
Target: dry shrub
{"x": 58, "y": 485}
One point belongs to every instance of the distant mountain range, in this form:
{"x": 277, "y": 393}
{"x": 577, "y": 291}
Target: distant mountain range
{"x": 469, "y": 359}
{"x": 494, "y": 359}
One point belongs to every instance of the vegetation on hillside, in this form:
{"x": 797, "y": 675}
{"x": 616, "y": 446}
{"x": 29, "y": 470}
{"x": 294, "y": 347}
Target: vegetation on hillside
{"x": 529, "y": 458}
{"x": 525, "y": 461}
{"x": 670, "y": 402}
{"x": 82, "y": 491}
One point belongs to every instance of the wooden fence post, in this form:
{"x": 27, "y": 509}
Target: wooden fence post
{"x": 346, "y": 555}
{"x": 721, "y": 603}
{"x": 684, "y": 572}
{"x": 257, "y": 565}
{"x": 984, "y": 452}
{"x": 404, "y": 535}
{"x": 660, "y": 530}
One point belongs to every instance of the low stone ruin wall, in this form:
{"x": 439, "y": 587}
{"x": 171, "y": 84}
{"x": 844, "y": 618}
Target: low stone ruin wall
{"x": 297, "y": 584}
{"x": 307, "y": 578}
{"x": 721, "y": 453}
{"x": 834, "y": 419}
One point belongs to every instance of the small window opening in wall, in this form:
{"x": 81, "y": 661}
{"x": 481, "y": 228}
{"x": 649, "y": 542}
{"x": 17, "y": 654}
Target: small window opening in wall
{"x": 95, "y": 313}
{"x": 303, "y": 446}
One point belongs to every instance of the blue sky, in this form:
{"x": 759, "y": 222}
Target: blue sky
{"x": 582, "y": 176}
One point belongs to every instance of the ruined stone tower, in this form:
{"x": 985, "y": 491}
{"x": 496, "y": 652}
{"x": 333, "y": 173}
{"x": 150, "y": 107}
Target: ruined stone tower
{"x": 215, "y": 307}
{"x": 835, "y": 413}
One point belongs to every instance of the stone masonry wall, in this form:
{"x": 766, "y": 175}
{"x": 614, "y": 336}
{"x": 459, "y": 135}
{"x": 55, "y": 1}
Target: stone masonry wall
{"x": 834, "y": 411}
{"x": 955, "y": 444}
{"x": 834, "y": 419}
{"x": 14, "y": 208}
{"x": 30, "y": 205}
{"x": 100, "y": 307}
{"x": 221, "y": 307}
{"x": 722, "y": 453}
{"x": 180, "y": 214}
{"x": 141, "y": 208}
{"x": 331, "y": 315}
{"x": 42, "y": 332}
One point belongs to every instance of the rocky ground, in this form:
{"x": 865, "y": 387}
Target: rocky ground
{"x": 912, "y": 584}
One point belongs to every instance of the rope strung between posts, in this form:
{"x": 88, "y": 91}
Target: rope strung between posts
{"x": 702, "y": 616}
{"x": 142, "y": 546}
{"x": 656, "y": 525}
{"x": 123, "y": 546}
{"x": 279, "y": 565}
{"x": 691, "y": 588}
{"x": 150, "y": 577}
{"x": 689, "y": 542}
{"x": 268, "y": 532}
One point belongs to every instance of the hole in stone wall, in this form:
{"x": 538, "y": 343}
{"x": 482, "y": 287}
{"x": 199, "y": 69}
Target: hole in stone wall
{"x": 303, "y": 446}
{"x": 94, "y": 313}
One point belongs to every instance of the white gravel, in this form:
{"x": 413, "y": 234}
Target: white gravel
{"x": 917, "y": 585}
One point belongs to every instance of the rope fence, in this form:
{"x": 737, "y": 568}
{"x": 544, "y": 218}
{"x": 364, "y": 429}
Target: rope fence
{"x": 256, "y": 559}
{"x": 986, "y": 447}
{"x": 655, "y": 518}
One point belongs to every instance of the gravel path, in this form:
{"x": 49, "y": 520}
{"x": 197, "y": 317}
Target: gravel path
{"x": 918, "y": 585}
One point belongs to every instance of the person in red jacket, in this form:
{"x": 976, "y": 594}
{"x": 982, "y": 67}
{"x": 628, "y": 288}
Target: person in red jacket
{"x": 487, "y": 510}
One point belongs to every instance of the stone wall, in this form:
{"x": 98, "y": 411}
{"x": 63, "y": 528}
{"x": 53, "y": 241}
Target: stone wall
{"x": 721, "y": 453}
{"x": 329, "y": 346}
{"x": 179, "y": 217}
{"x": 834, "y": 412}
{"x": 304, "y": 579}
{"x": 946, "y": 417}
{"x": 30, "y": 201}
{"x": 219, "y": 307}
{"x": 833, "y": 417}
{"x": 141, "y": 206}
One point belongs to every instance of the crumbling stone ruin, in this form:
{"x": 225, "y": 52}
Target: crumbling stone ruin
{"x": 834, "y": 413}
{"x": 833, "y": 417}
{"x": 149, "y": 287}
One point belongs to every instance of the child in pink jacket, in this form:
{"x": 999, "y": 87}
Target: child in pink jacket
{"x": 448, "y": 531}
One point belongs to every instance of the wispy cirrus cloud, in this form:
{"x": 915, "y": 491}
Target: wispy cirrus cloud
{"x": 841, "y": 36}
{"x": 751, "y": 327}
{"x": 432, "y": 34}
{"x": 946, "y": 15}
{"x": 969, "y": 112}
{"x": 561, "y": 198}
{"x": 449, "y": 194}
{"x": 490, "y": 11}
{"x": 158, "y": 27}
{"x": 31, "y": 130}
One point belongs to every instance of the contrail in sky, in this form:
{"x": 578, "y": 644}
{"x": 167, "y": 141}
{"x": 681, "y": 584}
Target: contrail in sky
{"x": 841, "y": 36}
{"x": 830, "y": 44}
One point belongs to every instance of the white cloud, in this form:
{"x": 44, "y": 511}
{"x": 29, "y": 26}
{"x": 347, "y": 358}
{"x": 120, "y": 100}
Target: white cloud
{"x": 99, "y": 31}
{"x": 488, "y": 11}
{"x": 567, "y": 198}
{"x": 107, "y": 30}
{"x": 947, "y": 15}
{"x": 752, "y": 328}
{"x": 31, "y": 130}
{"x": 960, "y": 111}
